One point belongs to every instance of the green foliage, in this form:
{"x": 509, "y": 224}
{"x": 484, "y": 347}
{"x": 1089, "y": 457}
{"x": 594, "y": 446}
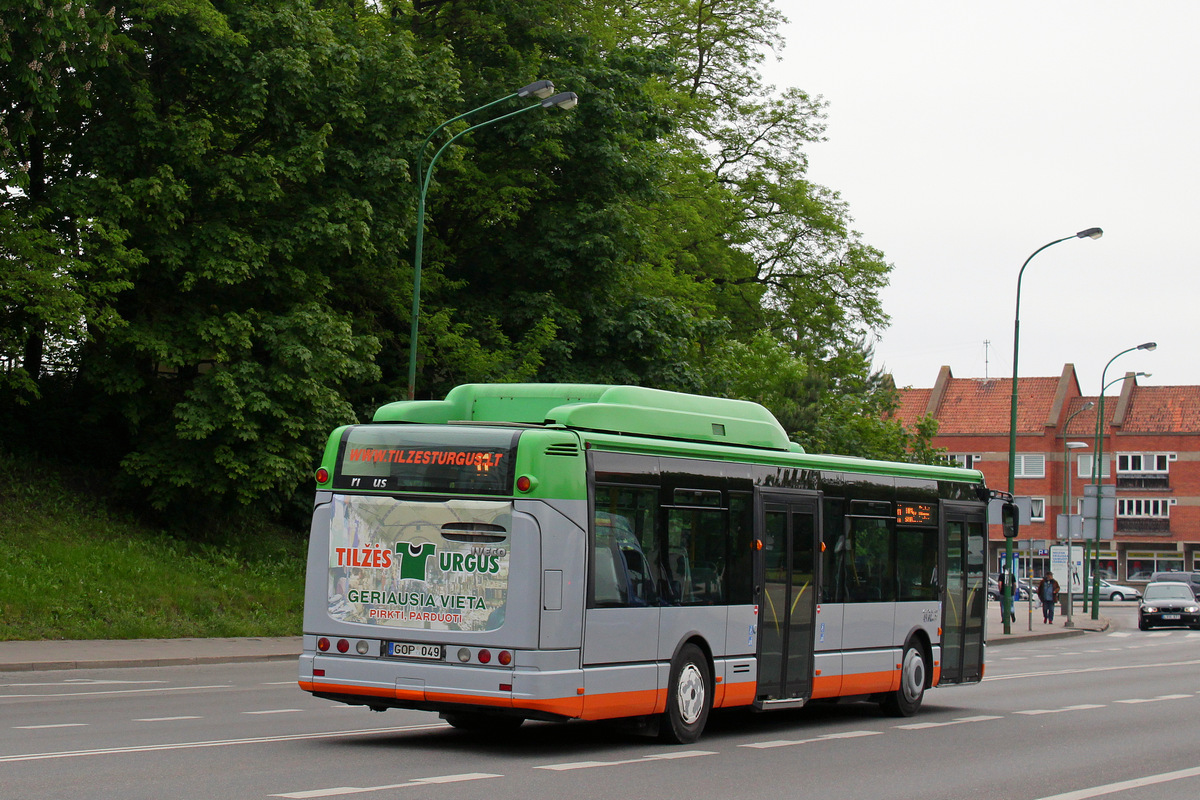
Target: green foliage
{"x": 73, "y": 568}
{"x": 209, "y": 221}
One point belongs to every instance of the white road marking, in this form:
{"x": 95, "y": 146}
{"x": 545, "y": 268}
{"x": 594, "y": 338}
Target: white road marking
{"x": 118, "y": 691}
{"x": 72, "y": 682}
{"x": 1136, "y": 783}
{"x": 1036, "y": 711}
{"x": 275, "y": 711}
{"x": 642, "y": 760}
{"x": 827, "y": 737}
{"x": 342, "y": 790}
{"x": 1116, "y": 668}
{"x": 165, "y": 719}
{"x": 153, "y": 748}
{"x": 1155, "y": 699}
{"x": 920, "y": 726}
{"x": 43, "y": 727}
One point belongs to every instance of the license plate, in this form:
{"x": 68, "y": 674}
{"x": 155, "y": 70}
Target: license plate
{"x": 428, "y": 652}
{"x": 1170, "y": 616}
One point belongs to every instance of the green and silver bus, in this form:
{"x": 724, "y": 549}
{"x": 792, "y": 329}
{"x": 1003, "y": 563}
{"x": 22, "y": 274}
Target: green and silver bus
{"x": 556, "y": 552}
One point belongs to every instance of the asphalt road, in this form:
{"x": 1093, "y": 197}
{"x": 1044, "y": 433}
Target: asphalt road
{"x": 1113, "y": 714}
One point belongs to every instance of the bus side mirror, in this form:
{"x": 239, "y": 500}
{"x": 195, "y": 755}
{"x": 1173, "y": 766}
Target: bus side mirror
{"x": 1009, "y": 520}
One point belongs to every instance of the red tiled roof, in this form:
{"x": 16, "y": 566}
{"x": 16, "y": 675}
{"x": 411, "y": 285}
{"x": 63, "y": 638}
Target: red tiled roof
{"x": 913, "y": 403}
{"x": 1159, "y": 409}
{"x": 978, "y": 406}
{"x": 1084, "y": 423}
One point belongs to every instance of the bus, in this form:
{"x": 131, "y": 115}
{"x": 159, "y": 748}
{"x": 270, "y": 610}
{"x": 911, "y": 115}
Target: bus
{"x": 566, "y": 551}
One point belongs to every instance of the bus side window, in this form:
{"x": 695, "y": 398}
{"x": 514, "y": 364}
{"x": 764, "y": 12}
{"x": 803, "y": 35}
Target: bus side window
{"x": 609, "y": 588}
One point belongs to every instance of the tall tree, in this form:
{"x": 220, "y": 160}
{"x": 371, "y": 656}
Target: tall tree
{"x": 60, "y": 263}
{"x": 257, "y": 155}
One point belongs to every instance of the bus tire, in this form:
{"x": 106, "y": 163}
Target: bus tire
{"x": 478, "y": 722}
{"x": 689, "y": 697}
{"x": 905, "y": 701}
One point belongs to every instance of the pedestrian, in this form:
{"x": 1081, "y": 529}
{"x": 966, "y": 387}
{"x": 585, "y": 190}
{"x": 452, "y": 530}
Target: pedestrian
{"x": 1007, "y": 598}
{"x": 1047, "y": 592}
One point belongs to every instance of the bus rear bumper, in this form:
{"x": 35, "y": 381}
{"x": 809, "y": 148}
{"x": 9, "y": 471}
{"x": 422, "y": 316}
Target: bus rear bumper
{"x": 530, "y": 692}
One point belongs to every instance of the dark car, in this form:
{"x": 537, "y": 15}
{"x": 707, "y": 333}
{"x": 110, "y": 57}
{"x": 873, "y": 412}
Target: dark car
{"x": 1168, "y": 603}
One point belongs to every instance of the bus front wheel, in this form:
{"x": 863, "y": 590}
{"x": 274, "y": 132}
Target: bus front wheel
{"x": 905, "y": 701}
{"x": 689, "y": 697}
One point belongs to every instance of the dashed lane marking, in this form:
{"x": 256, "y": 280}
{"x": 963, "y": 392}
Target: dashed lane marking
{"x": 827, "y": 737}
{"x": 1035, "y": 711}
{"x": 1155, "y": 699}
{"x": 642, "y": 760}
{"x": 920, "y": 726}
{"x": 338, "y": 791}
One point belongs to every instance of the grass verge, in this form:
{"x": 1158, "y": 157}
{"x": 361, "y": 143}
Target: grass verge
{"x": 71, "y": 567}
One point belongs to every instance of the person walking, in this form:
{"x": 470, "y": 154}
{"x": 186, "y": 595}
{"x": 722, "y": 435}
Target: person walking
{"x": 1007, "y": 604}
{"x": 1047, "y": 592}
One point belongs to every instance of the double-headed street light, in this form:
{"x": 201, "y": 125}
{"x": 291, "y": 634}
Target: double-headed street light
{"x": 1090, "y": 233}
{"x": 1098, "y": 470}
{"x": 544, "y": 91}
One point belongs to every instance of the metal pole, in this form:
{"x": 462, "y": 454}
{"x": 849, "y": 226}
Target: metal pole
{"x": 423, "y": 188}
{"x": 1091, "y": 233}
{"x": 1098, "y": 472}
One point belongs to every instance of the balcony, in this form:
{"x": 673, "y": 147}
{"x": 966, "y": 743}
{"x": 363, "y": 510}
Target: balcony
{"x": 1149, "y": 526}
{"x": 1143, "y": 480}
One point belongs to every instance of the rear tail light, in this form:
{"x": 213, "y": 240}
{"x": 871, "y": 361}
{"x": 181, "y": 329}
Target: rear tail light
{"x": 323, "y": 644}
{"x": 343, "y": 646}
{"x": 485, "y": 656}
{"x": 504, "y": 657}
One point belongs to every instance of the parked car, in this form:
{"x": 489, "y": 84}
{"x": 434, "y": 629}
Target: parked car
{"x": 1168, "y": 603}
{"x": 993, "y": 589}
{"x": 1115, "y": 591}
{"x": 1190, "y": 578}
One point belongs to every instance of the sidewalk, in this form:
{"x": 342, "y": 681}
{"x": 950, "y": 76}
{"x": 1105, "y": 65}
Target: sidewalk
{"x": 95, "y": 654}
{"x": 1030, "y": 626}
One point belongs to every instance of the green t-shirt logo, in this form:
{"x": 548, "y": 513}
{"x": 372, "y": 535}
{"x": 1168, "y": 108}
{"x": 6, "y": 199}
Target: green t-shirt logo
{"x": 413, "y": 558}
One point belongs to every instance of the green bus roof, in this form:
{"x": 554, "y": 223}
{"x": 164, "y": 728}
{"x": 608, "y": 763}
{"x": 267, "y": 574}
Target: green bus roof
{"x": 634, "y": 410}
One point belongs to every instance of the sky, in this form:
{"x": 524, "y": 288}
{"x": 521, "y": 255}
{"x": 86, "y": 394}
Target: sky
{"x": 964, "y": 136}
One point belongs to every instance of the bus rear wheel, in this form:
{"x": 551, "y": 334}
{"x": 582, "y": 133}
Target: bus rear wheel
{"x": 478, "y": 722}
{"x": 689, "y": 697}
{"x": 905, "y": 701}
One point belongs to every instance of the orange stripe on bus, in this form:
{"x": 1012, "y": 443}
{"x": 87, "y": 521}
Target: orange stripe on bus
{"x": 737, "y": 694}
{"x": 870, "y": 682}
{"x": 623, "y": 704}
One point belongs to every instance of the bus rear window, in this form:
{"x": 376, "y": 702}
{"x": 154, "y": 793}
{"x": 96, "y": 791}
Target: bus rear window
{"x": 427, "y": 458}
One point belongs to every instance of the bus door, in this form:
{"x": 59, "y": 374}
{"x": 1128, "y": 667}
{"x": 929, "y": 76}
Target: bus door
{"x": 785, "y": 580}
{"x": 964, "y": 594}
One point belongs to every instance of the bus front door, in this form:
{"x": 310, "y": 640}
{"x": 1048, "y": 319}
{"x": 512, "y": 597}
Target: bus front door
{"x": 964, "y": 600}
{"x": 785, "y": 578}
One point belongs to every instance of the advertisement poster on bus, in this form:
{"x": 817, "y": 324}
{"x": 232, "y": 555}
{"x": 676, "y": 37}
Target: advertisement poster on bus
{"x": 431, "y": 566}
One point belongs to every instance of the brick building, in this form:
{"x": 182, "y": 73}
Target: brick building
{"x": 1151, "y": 451}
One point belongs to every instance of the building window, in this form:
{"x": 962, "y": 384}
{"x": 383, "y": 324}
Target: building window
{"x": 1030, "y": 465}
{"x": 1137, "y": 507}
{"x": 1144, "y": 515}
{"x": 1084, "y": 461}
{"x": 1037, "y": 509}
{"x": 1140, "y": 566}
{"x": 968, "y": 460}
{"x": 1144, "y": 462}
{"x": 1144, "y": 470}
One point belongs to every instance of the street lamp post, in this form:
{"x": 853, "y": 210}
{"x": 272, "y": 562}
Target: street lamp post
{"x": 1090, "y": 233}
{"x": 1098, "y": 470}
{"x": 544, "y": 91}
{"x": 1067, "y": 448}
